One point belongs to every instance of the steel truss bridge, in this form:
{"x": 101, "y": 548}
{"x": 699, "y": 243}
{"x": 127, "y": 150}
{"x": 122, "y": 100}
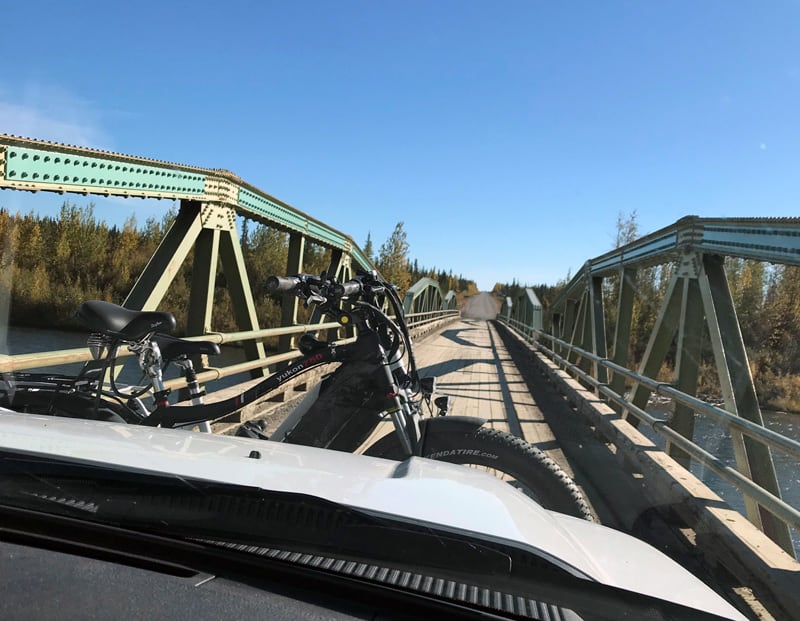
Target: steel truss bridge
{"x": 577, "y": 352}
{"x": 210, "y": 201}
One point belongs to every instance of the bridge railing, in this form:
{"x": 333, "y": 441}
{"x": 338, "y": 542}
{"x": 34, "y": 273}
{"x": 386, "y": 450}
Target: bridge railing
{"x": 787, "y": 513}
{"x": 692, "y": 300}
{"x": 421, "y": 324}
{"x": 204, "y": 232}
{"x": 39, "y": 360}
{"x": 418, "y": 320}
{"x": 418, "y": 323}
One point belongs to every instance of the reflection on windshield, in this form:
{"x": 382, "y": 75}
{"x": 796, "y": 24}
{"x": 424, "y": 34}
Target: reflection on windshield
{"x": 499, "y": 198}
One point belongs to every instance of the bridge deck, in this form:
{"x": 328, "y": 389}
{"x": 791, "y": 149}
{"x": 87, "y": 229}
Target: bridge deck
{"x": 471, "y": 364}
{"x": 489, "y": 375}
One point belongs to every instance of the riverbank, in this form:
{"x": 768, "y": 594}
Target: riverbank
{"x": 765, "y": 406}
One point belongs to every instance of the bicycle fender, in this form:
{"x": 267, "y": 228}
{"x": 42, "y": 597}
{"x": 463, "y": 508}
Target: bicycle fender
{"x": 462, "y": 424}
{"x": 389, "y": 445}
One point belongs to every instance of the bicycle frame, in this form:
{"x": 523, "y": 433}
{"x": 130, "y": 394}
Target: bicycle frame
{"x": 372, "y": 369}
{"x": 367, "y": 348}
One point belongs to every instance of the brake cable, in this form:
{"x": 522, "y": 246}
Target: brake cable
{"x": 114, "y": 389}
{"x": 398, "y": 309}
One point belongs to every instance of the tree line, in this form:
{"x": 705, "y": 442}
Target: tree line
{"x": 50, "y": 265}
{"x": 394, "y": 263}
{"x": 767, "y": 302}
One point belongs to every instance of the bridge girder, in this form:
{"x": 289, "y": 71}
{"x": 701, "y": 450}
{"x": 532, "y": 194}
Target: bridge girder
{"x": 697, "y": 301}
{"x": 425, "y": 296}
{"x": 38, "y": 165}
{"x": 526, "y": 309}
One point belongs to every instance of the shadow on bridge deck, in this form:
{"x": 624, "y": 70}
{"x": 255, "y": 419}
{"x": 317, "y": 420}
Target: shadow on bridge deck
{"x": 490, "y": 375}
{"x": 471, "y": 363}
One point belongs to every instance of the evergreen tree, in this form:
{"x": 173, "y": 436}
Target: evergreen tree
{"x": 54, "y": 264}
{"x": 368, "y": 250}
{"x": 393, "y": 260}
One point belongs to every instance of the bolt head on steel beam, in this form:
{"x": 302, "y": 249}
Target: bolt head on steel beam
{"x": 689, "y": 265}
{"x": 218, "y": 217}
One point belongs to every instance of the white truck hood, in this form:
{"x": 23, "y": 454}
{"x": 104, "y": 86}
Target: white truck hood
{"x": 417, "y": 489}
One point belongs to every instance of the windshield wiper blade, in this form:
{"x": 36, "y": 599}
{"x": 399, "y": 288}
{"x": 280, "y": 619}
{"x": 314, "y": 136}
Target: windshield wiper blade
{"x": 299, "y": 529}
{"x": 556, "y": 600}
{"x": 192, "y": 508}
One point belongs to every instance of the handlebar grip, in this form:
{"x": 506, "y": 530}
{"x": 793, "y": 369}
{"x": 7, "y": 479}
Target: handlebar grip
{"x": 277, "y": 284}
{"x": 351, "y": 287}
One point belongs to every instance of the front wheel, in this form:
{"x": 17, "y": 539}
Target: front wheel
{"x": 509, "y": 458}
{"x": 66, "y": 404}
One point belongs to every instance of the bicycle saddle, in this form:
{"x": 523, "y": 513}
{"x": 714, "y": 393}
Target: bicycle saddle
{"x": 129, "y": 325}
{"x": 172, "y": 347}
{"x": 309, "y": 343}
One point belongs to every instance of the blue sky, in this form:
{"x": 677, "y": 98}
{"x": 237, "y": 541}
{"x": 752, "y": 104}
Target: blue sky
{"x": 507, "y": 136}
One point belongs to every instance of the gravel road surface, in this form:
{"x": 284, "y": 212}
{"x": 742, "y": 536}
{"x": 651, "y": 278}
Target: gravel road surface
{"x": 481, "y": 306}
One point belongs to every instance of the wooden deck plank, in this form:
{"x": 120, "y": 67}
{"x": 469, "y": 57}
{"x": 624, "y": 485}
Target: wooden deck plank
{"x": 473, "y": 366}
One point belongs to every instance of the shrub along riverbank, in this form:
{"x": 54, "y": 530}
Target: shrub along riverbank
{"x": 51, "y": 265}
{"x": 767, "y": 302}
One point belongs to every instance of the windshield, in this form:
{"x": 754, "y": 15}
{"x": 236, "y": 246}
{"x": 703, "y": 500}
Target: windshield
{"x": 298, "y": 529}
{"x": 557, "y": 245}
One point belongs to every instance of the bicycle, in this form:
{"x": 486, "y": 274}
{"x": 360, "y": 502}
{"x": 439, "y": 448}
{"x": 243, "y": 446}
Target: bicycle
{"x": 371, "y": 384}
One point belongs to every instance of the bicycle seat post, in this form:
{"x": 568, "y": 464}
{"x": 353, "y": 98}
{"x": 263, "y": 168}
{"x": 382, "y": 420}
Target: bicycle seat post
{"x": 150, "y": 362}
{"x": 195, "y": 392}
{"x": 190, "y": 375}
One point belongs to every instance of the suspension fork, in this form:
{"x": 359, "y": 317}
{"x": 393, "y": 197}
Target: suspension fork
{"x": 195, "y": 392}
{"x": 406, "y": 422}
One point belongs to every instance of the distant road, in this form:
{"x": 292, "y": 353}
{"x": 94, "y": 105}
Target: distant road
{"x": 481, "y": 306}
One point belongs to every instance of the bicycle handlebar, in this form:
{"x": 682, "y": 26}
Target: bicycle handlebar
{"x": 351, "y": 287}
{"x": 323, "y": 288}
{"x": 277, "y": 284}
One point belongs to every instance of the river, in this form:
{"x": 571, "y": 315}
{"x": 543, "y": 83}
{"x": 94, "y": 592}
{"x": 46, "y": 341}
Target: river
{"x": 715, "y": 439}
{"x": 30, "y": 340}
{"x": 711, "y": 436}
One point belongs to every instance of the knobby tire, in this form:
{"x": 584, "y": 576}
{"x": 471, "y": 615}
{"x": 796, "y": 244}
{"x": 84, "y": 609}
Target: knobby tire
{"x": 512, "y": 459}
{"x": 68, "y": 405}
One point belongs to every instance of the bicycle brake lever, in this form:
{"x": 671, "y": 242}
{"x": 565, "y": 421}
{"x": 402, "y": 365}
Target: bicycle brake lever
{"x": 315, "y": 298}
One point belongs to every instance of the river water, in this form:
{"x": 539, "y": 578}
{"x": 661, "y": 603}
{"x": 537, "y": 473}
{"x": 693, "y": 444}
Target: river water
{"x": 715, "y": 438}
{"x": 30, "y": 340}
{"x": 711, "y": 436}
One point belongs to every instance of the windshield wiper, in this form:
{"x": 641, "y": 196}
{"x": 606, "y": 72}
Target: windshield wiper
{"x": 296, "y": 529}
{"x": 178, "y": 506}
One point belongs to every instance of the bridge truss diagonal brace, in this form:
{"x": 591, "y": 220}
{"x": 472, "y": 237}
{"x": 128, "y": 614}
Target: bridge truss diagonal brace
{"x": 622, "y": 331}
{"x": 211, "y": 230}
{"x": 578, "y": 331}
{"x": 598, "y": 327}
{"x": 567, "y": 324}
{"x": 588, "y": 328}
{"x": 244, "y": 308}
{"x": 753, "y": 459}
{"x": 160, "y": 271}
{"x": 698, "y": 289}
{"x": 204, "y": 276}
{"x": 661, "y": 339}
{"x": 687, "y": 363}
